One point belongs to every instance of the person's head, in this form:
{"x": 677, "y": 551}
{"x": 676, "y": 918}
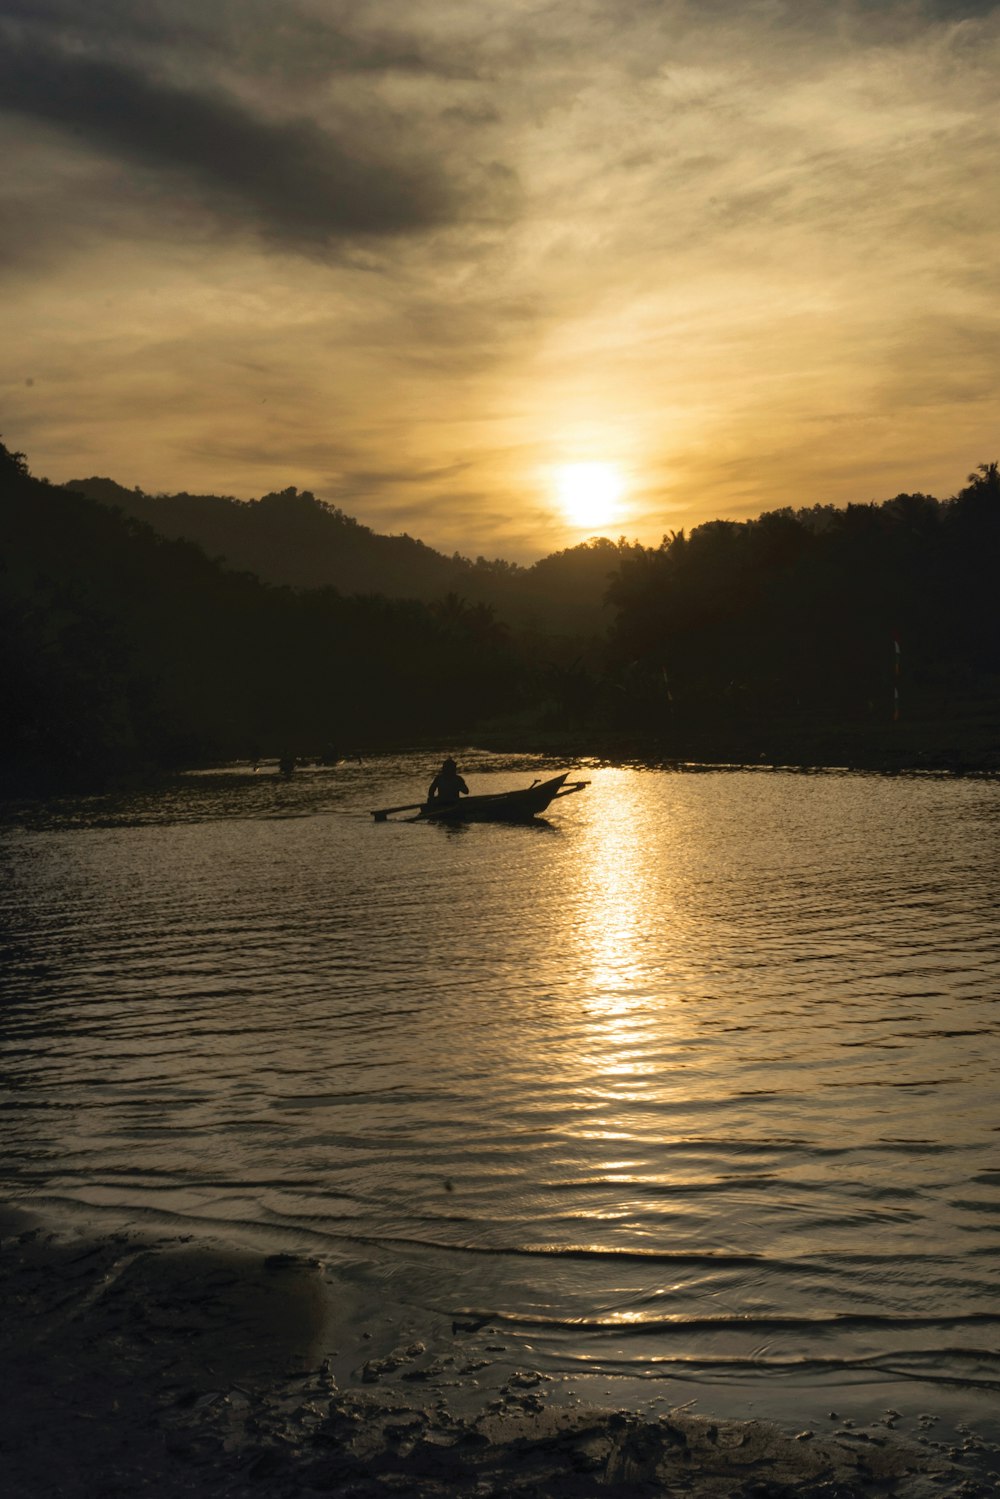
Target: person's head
{"x": 449, "y": 768}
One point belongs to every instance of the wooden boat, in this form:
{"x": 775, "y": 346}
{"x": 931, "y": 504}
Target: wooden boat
{"x": 503, "y": 806}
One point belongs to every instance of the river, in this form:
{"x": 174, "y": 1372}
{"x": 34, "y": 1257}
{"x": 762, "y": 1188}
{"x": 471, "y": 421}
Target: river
{"x": 689, "y": 1089}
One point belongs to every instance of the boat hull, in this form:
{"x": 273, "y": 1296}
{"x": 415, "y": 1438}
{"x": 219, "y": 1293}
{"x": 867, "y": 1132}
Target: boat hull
{"x": 505, "y": 806}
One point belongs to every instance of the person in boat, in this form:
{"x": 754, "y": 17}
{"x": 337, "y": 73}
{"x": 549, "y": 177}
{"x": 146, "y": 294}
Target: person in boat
{"x": 447, "y": 785}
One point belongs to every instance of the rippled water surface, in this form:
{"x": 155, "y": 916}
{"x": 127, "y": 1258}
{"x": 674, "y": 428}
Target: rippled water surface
{"x": 697, "y": 1078}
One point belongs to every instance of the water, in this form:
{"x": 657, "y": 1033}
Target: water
{"x": 693, "y": 1085}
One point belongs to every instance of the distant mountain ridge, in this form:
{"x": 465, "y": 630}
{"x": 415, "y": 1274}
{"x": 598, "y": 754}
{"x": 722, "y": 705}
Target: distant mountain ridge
{"x": 295, "y": 539}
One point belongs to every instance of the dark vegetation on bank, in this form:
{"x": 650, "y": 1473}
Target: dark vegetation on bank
{"x": 139, "y": 633}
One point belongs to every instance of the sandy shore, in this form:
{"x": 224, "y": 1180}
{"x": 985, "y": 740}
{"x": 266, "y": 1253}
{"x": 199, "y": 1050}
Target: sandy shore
{"x": 131, "y": 1367}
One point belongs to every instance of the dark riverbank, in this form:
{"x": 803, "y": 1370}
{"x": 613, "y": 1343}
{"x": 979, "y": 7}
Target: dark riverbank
{"x": 968, "y": 745}
{"x": 960, "y": 737}
{"x": 887, "y": 756}
{"x": 175, "y": 1369}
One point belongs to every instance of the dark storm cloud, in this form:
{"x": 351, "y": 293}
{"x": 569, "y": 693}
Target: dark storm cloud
{"x": 290, "y": 178}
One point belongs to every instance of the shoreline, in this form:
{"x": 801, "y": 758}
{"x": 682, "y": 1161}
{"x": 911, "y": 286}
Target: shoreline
{"x": 888, "y": 749}
{"x": 134, "y": 1365}
{"x": 882, "y": 753}
{"x": 555, "y": 749}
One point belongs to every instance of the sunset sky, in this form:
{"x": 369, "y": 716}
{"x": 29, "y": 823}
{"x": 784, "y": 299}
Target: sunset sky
{"x": 447, "y": 263}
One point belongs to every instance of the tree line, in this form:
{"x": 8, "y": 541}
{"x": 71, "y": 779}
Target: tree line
{"x": 121, "y": 647}
{"x": 864, "y": 615}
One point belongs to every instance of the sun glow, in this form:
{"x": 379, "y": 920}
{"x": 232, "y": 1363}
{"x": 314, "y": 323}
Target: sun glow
{"x": 589, "y": 493}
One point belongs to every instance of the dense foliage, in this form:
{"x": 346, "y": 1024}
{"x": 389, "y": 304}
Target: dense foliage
{"x": 123, "y": 647}
{"x": 819, "y": 615}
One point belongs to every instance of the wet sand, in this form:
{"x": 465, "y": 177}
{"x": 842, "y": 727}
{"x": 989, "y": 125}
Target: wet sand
{"x": 167, "y": 1368}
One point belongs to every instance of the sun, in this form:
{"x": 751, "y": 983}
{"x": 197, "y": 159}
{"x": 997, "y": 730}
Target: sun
{"x": 589, "y": 493}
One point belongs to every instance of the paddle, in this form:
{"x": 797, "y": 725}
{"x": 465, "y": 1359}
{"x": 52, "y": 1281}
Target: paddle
{"x": 383, "y": 813}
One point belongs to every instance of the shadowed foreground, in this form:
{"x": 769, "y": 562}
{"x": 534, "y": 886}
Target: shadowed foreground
{"x": 175, "y": 1370}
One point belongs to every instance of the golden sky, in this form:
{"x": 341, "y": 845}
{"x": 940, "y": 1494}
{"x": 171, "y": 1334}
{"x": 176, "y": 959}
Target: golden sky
{"x": 420, "y": 258}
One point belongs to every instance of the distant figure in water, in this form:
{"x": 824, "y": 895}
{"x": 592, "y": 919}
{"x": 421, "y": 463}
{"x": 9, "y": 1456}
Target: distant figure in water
{"x": 447, "y": 785}
{"x": 286, "y": 765}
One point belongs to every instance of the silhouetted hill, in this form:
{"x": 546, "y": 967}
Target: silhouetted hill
{"x": 294, "y": 538}
{"x": 120, "y": 648}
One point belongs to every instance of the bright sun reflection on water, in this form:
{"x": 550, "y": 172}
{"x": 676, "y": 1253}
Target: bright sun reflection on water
{"x": 618, "y": 898}
{"x": 702, "y": 1065}
{"x": 616, "y": 893}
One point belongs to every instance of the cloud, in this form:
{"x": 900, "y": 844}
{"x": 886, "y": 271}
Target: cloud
{"x": 294, "y": 181}
{"x": 259, "y": 37}
{"x": 409, "y": 475}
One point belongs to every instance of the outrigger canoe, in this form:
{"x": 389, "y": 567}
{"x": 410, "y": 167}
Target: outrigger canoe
{"x": 504, "y": 806}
